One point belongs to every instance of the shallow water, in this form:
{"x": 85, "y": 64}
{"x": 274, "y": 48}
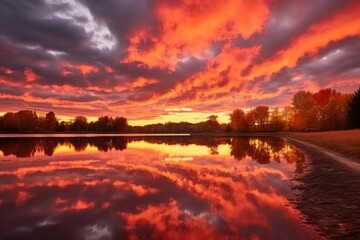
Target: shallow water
{"x": 149, "y": 188}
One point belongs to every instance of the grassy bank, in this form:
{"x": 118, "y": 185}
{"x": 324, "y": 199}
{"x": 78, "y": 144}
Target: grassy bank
{"x": 345, "y": 142}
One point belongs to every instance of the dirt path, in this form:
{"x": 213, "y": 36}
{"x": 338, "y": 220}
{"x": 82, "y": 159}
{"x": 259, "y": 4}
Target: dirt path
{"x": 354, "y": 164}
{"x": 329, "y": 192}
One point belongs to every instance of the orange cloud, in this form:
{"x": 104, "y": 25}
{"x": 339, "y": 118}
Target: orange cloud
{"x": 109, "y": 69}
{"x": 341, "y": 25}
{"x": 59, "y": 201}
{"x": 66, "y": 73}
{"x": 141, "y": 191}
{"x": 30, "y": 76}
{"x": 83, "y": 68}
{"x": 220, "y": 75}
{"x": 189, "y": 27}
{"x": 6, "y": 70}
{"x": 21, "y": 198}
{"x": 78, "y": 206}
{"x": 81, "y": 205}
{"x": 86, "y": 69}
{"x": 106, "y": 205}
{"x": 141, "y": 82}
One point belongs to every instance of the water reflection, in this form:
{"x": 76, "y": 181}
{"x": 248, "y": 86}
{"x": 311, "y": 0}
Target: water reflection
{"x": 27, "y": 147}
{"x": 149, "y": 188}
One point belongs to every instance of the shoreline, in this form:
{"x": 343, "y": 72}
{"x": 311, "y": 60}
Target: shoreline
{"x": 329, "y": 193}
{"x": 55, "y": 135}
{"x": 349, "y": 161}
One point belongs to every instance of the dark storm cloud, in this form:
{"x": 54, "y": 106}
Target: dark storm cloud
{"x": 336, "y": 59}
{"x": 72, "y": 97}
{"x": 122, "y": 17}
{"x": 24, "y": 22}
{"x": 290, "y": 19}
{"x": 12, "y": 105}
{"x": 15, "y": 91}
{"x": 82, "y": 98}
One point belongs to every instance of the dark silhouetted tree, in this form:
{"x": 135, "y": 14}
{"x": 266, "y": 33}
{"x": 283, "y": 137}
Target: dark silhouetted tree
{"x": 104, "y": 124}
{"x": 80, "y": 124}
{"x": 202, "y": 127}
{"x": 212, "y": 121}
{"x": 27, "y": 120}
{"x": 10, "y": 122}
{"x": 120, "y": 124}
{"x": 51, "y": 121}
{"x": 2, "y": 123}
{"x": 353, "y": 114}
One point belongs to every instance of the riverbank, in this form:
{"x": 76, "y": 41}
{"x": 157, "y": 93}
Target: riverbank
{"x": 329, "y": 193}
{"x": 346, "y": 142}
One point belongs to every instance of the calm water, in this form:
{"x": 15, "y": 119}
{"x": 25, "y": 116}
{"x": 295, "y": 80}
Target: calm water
{"x": 149, "y": 188}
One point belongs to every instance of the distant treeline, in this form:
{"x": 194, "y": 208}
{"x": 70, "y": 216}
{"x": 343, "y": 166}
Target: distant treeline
{"x": 326, "y": 109}
{"x": 28, "y": 121}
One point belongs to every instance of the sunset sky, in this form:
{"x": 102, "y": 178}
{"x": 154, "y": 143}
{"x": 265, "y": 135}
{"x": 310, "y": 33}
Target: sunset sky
{"x": 172, "y": 60}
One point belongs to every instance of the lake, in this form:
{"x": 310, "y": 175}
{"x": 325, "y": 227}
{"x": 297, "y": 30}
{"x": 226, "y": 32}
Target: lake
{"x": 150, "y": 187}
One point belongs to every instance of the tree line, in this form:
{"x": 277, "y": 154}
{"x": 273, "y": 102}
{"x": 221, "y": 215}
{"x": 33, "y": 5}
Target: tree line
{"x": 324, "y": 110}
{"x": 28, "y": 121}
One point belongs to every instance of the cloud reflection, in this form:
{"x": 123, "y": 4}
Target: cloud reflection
{"x": 137, "y": 193}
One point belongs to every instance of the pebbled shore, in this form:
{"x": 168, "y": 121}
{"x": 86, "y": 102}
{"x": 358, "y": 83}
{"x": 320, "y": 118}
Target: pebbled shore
{"x": 329, "y": 193}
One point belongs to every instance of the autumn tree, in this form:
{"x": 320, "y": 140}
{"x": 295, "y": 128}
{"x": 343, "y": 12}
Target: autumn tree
{"x": 250, "y": 119}
{"x": 299, "y": 98}
{"x": 332, "y": 116}
{"x": 276, "y": 122}
{"x": 331, "y": 106}
{"x": 306, "y": 111}
{"x": 288, "y": 115}
{"x": 261, "y": 116}
{"x": 353, "y": 113}
{"x": 238, "y": 120}
{"x": 323, "y": 96}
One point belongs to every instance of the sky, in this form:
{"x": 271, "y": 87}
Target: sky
{"x": 180, "y": 60}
